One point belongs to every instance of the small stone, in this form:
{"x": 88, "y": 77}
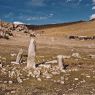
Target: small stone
{"x": 39, "y": 79}
{"x": 12, "y": 92}
{"x": 88, "y": 76}
{"x": 24, "y": 79}
{"x": 70, "y": 89}
{"x": 5, "y": 81}
{"x": 69, "y": 70}
{"x": 76, "y": 79}
{"x": 19, "y": 80}
{"x": 54, "y": 81}
{"x": 13, "y": 54}
{"x": 62, "y": 82}
{"x": 58, "y": 81}
{"x": 63, "y": 71}
{"x": 83, "y": 81}
{"x": 30, "y": 74}
{"x": 48, "y": 77}
{"x": 3, "y": 58}
{"x": 66, "y": 78}
{"x": 27, "y": 78}
{"x": 10, "y": 82}
{"x": 76, "y": 55}
{"x": 37, "y": 73}
{"x": 55, "y": 73}
{"x": 75, "y": 69}
{"x": 62, "y": 78}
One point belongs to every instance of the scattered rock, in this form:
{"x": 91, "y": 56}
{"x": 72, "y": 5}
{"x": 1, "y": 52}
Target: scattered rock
{"x": 83, "y": 81}
{"x": 55, "y": 73}
{"x": 37, "y": 73}
{"x": 75, "y": 69}
{"x": 45, "y": 65}
{"x": 30, "y": 74}
{"x": 76, "y": 55}
{"x": 10, "y": 82}
{"x": 48, "y": 76}
{"x": 88, "y": 76}
{"x": 12, "y": 92}
{"x": 62, "y": 78}
{"x": 13, "y": 54}
{"x": 63, "y": 71}
{"x": 58, "y": 81}
{"x": 66, "y": 57}
{"x": 76, "y": 79}
{"x": 19, "y": 80}
{"x": 5, "y": 81}
{"x": 52, "y": 62}
{"x": 39, "y": 79}
{"x": 13, "y": 62}
{"x": 62, "y": 82}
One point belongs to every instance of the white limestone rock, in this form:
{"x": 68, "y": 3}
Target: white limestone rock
{"x": 19, "y": 56}
{"x": 76, "y": 55}
{"x": 31, "y": 54}
{"x": 60, "y": 61}
{"x": 19, "y": 80}
{"x": 10, "y": 82}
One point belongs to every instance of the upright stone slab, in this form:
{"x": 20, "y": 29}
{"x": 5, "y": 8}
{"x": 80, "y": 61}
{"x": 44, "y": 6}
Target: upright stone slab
{"x": 19, "y": 57}
{"x": 31, "y": 54}
{"x": 60, "y": 61}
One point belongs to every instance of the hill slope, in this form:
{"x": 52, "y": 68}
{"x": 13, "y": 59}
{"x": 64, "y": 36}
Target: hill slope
{"x": 75, "y": 28}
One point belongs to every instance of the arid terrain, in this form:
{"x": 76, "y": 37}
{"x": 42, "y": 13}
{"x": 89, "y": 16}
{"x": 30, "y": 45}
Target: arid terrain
{"x": 75, "y": 41}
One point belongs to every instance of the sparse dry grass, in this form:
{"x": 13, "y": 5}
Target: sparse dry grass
{"x": 50, "y": 44}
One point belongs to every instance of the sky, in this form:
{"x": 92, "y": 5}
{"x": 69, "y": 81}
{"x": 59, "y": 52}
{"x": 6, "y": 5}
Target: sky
{"x": 39, "y": 12}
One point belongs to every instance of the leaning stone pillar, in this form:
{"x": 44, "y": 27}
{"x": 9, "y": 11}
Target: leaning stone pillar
{"x": 19, "y": 57}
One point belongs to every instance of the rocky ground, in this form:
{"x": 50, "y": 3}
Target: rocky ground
{"x": 77, "y": 79}
{"x": 47, "y": 79}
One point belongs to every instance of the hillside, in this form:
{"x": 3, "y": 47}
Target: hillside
{"x": 71, "y": 28}
{"x": 74, "y": 28}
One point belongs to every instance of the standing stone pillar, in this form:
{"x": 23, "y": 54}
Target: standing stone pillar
{"x": 31, "y": 53}
{"x": 60, "y": 61}
{"x": 19, "y": 57}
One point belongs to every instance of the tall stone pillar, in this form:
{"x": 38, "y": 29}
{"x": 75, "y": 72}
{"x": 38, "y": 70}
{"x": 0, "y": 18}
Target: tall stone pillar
{"x": 31, "y": 53}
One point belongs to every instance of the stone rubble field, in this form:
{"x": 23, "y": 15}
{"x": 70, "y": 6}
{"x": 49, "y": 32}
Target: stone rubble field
{"x": 47, "y": 79}
{"x": 77, "y": 78}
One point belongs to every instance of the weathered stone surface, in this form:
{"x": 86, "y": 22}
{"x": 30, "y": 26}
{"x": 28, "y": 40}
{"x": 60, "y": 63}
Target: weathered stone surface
{"x": 19, "y": 56}
{"x": 36, "y": 73}
{"x": 76, "y": 55}
{"x": 31, "y": 54}
{"x": 19, "y": 80}
{"x": 10, "y": 82}
{"x": 60, "y": 61}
